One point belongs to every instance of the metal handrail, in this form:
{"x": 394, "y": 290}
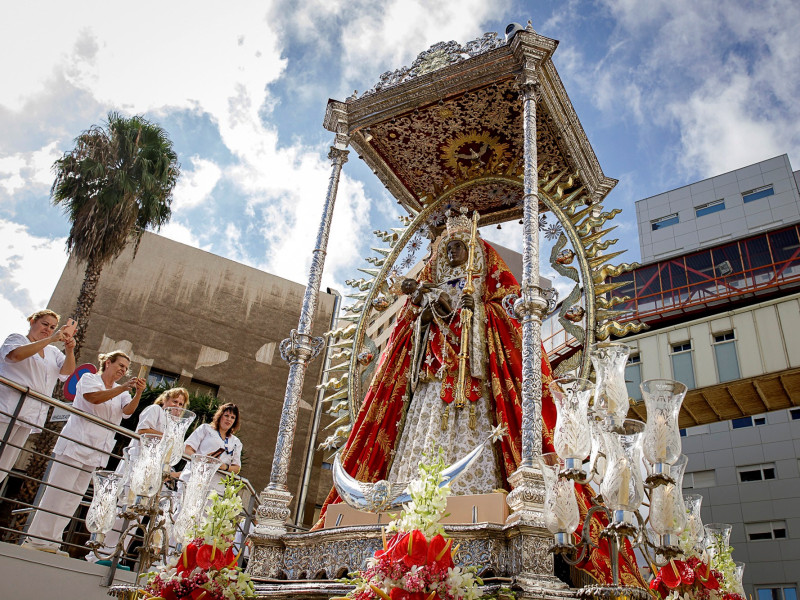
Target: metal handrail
{"x": 23, "y": 507}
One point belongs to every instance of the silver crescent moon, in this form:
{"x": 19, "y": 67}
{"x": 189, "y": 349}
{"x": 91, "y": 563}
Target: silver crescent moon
{"x": 384, "y": 495}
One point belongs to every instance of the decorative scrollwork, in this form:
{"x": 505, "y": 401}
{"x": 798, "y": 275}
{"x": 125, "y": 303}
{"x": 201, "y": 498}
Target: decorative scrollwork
{"x": 441, "y": 54}
{"x": 300, "y": 347}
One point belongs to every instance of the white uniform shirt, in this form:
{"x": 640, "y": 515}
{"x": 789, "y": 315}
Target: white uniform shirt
{"x": 99, "y": 440}
{"x": 153, "y": 417}
{"x": 206, "y": 440}
{"x": 39, "y": 374}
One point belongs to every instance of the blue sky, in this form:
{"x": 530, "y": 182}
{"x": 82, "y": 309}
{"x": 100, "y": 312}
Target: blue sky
{"x": 668, "y": 91}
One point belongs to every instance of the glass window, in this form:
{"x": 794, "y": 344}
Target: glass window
{"x": 758, "y": 193}
{"x": 710, "y": 208}
{"x": 756, "y": 472}
{"x": 784, "y": 244}
{"x": 663, "y": 222}
{"x": 766, "y": 530}
{"x": 633, "y": 377}
{"x": 725, "y": 357}
{"x": 741, "y": 422}
{"x": 700, "y": 479}
{"x": 759, "y": 420}
{"x": 682, "y": 368}
{"x": 156, "y": 378}
{"x": 795, "y": 414}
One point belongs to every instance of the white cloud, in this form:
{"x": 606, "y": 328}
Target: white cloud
{"x": 179, "y": 232}
{"x": 22, "y": 169}
{"x": 195, "y": 186}
{"x": 30, "y": 269}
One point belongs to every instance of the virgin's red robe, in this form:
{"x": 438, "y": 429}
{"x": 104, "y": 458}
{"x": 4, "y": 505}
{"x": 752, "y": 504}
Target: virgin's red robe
{"x": 367, "y": 454}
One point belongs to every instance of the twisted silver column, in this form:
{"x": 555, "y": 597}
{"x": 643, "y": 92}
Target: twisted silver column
{"x": 531, "y": 305}
{"x": 298, "y": 350}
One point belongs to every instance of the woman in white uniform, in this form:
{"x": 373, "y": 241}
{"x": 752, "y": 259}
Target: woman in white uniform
{"x": 217, "y": 439}
{"x": 32, "y": 361}
{"x": 98, "y": 394}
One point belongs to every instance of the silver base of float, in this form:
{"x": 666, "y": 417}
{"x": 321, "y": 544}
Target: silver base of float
{"x": 296, "y": 566}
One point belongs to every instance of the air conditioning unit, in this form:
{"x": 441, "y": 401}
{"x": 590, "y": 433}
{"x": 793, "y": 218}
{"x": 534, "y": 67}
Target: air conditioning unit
{"x": 724, "y": 268}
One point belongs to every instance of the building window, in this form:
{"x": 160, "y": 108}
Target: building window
{"x": 777, "y": 593}
{"x": 741, "y": 422}
{"x": 682, "y": 368}
{"x": 766, "y": 530}
{"x": 795, "y": 414}
{"x": 157, "y": 378}
{"x": 380, "y": 330}
{"x": 700, "y": 479}
{"x": 664, "y": 222}
{"x": 709, "y": 208}
{"x": 326, "y": 466}
{"x": 758, "y": 193}
{"x": 633, "y": 377}
{"x": 759, "y": 420}
{"x": 725, "y": 357}
{"x": 756, "y": 472}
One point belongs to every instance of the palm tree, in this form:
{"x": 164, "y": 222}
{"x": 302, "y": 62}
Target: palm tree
{"x": 116, "y": 182}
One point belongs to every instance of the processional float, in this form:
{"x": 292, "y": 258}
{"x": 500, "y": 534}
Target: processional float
{"x": 487, "y": 126}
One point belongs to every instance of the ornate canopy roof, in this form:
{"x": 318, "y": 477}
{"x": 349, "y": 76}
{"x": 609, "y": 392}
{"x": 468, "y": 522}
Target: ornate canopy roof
{"x": 452, "y": 123}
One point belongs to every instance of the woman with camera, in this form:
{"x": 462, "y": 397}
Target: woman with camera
{"x": 32, "y": 361}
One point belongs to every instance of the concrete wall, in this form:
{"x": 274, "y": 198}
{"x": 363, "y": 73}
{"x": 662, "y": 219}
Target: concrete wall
{"x": 736, "y": 221}
{"x": 33, "y": 575}
{"x": 189, "y": 312}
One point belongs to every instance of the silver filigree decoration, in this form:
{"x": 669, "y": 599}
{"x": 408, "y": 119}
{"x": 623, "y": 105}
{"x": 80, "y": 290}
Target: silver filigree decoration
{"x": 438, "y": 56}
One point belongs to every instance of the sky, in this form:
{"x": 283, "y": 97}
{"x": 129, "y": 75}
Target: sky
{"x": 668, "y": 91}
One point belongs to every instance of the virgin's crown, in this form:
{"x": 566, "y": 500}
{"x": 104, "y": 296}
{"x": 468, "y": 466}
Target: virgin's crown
{"x": 458, "y": 222}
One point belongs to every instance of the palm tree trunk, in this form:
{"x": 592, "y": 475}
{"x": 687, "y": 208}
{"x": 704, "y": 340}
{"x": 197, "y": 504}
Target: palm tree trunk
{"x": 86, "y": 298}
{"x": 47, "y": 438}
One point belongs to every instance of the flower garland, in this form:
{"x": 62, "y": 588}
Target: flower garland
{"x": 416, "y": 563}
{"x": 207, "y": 568}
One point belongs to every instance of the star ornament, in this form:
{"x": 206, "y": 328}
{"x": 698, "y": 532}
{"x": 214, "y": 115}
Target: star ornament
{"x": 497, "y": 433}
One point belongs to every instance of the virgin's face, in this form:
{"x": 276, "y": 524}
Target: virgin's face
{"x": 456, "y": 252}
{"x": 178, "y": 400}
{"x": 226, "y": 421}
{"x": 118, "y": 368}
{"x": 42, "y": 328}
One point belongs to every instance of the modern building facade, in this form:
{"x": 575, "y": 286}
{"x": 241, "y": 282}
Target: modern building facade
{"x": 759, "y": 197}
{"x": 720, "y": 289}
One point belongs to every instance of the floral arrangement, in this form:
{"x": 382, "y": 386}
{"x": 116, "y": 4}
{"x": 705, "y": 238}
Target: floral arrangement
{"x": 416, "y": 563}
{"x": 207, "y": 568}
{"x": 710, "y": 577}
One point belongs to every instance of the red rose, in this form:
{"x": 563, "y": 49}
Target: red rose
{"x": 439, "y": 553}
{"x": 417, "y": 552}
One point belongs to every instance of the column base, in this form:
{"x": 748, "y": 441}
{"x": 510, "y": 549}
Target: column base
{"x": 272, "y": 512}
